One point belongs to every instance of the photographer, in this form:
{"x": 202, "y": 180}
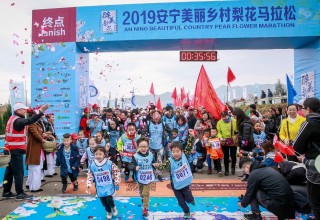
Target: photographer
{"x": 268, "y": 188}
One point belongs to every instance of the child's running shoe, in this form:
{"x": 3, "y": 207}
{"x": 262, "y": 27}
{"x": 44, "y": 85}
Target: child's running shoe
{"x": 114, "y": 211}
{"x": 109, "y": 215}
{"x": 186, "y": 215}
{"x": 145, "y": 212}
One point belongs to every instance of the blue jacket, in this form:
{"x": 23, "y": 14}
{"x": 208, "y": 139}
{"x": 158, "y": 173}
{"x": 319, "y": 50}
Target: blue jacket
{"x": 74, "y": 160}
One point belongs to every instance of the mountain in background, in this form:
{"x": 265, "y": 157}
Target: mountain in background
{"x": 252, "y": 90}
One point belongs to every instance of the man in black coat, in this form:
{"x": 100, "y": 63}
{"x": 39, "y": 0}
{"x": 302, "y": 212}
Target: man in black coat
{"x": 307, "y": 143}
{"x": 268, "y": 188}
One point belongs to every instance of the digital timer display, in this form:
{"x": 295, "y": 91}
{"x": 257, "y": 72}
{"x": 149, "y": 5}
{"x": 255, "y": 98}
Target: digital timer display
{"x": 198, "y": 55}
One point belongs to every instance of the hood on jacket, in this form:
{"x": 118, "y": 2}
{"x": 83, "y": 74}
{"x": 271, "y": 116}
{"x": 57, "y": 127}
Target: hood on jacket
{"x": 286, "y": 166}
{"x": 256, "y": 165}
{"x": 315, "y": 117}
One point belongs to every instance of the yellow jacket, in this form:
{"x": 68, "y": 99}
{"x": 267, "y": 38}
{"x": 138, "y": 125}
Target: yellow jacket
{"x": 293, "y": 128}
{"x": 224, "y": 129}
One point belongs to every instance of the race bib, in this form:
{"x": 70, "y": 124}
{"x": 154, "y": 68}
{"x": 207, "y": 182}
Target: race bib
{"x": 90, "y": 159}
{"x": 215, "y": 145}
{"x": 103, "y": 178}
{"x": 129, "y": 147}
{"x": 81, "y": 151}
{"x": 258, "y": 142}
{"x": 146, "y": 176}
{"x": 182, "y": 173}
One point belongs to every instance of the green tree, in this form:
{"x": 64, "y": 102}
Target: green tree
{"x": 2, "y": 126}
{"x": 6, "y": 115}
{"x": 280, "y": 88}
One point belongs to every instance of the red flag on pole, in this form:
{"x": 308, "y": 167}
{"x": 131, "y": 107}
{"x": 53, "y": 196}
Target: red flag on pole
{"x": 158, "y": 105}
{"x": 206, "y": 96}
{"x": 174, "y": 94}
{"x": 278, "y": 158}
{"x": 188, "y": 99}
{"x": 179, "y": 102}
{"x": 230, "y": 77}
{"x": 152, "y": 89}
{"x": 175, "y": 102}
{"x": 290, "y": 151}
{"x": 183, "y": 94}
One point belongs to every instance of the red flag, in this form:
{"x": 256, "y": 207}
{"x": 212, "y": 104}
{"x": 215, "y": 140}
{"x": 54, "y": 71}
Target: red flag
{"x": 175, "y": 102}
{"x": 193, "y": 101}
{"x": 280, "y": 146}
{"x": 290, "y": 151}
{"x": 179, "y": 102}
{"x": 183, "y": 94}
{"x": 275, "y": 139}
{"x": 230, "y": 77}
{"x": 174, "y": 94}
{"x": 152, "y": 89}
{"x": 206, "y": 96}
{"x": 278, "y": 158}
{"x": 188, "y": 99}
{"x": 158, "y": 105}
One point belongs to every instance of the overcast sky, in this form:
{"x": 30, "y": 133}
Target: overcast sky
{"x": 131, "y": 69}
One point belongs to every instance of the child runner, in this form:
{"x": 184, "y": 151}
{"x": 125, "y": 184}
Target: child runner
{"x": 259, "y": 138}
{"x": 106, "y": 176}
{"x": 181, "y": 177}
{"x": 194, "y": 151}
{"x": 89, "y": 153}
{"x": 174, "y": 137}
{"x": 127, "y": 146}
{"x": 68, "y": 159}
{"x": 100, "y": 139}
{"x": 141, "y": 165}
{"x": 214, "y": 152}
{"x": 182, "y": 127}
{"x": 114, "y": 134}
{"x": 82, "y": 142}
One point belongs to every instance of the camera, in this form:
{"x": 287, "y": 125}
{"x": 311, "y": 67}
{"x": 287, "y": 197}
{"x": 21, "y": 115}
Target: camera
{"x": 251, "y": 154}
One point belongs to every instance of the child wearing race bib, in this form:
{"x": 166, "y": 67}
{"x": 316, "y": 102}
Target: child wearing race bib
{"x": 114, "y": 133}
{"x": 142, "y": 165}
{"x": 68, "y": 159}
{"x": 259, "y": 138}
{"x": 197, "y": 154}
{"x": 127, "y": 146}
{"x": 181, "y": 177}
{"x": 170, "y": 139}
{"x": 82, "y": 142}
{"x": 89, "y": 153}
{"x": 100, "y": 139}
{"x": 214, "y": 151}
{"x": 106, "y": 176}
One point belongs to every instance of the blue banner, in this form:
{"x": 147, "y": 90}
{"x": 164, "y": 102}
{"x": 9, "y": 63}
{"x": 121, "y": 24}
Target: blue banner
{"x": 198, "y": 20}
{"x": 54, "y": 81}
{"x": 17, "y": 93}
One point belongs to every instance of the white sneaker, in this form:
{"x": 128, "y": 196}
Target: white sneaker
{"x": 205, "y": 163}
{"x": 199, "y": 170}
{"x": 109, "y": 215}
{"x": 114, "y": 211}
